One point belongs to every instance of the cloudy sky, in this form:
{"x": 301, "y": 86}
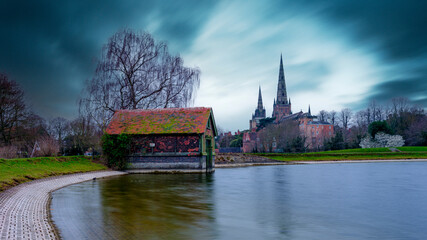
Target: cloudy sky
{"x": 336, "y": 53}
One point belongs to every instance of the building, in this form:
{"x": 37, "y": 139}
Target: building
{"x": 259, "y": 113}
{"x": 170, "y": 138}
{"x": 314, "y": 131}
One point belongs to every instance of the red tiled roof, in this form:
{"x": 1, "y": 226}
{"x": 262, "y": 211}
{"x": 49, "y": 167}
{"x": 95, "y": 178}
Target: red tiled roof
{"x": 160, "y": 121}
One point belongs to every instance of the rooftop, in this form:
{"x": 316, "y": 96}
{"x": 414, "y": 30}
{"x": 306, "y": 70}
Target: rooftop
{"x": 160, "y": 121}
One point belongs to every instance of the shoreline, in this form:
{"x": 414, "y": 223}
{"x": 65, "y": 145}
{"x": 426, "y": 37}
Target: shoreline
{"x": 25, "y": 208}
{"x": 236, "y": 165}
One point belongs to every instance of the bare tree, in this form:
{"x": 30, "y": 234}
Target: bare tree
{"x": 375, "y": 112}
{"x": 82, "y": 136}
{"x": 345, "y": 117}
{"x": 48, "y": 146}
{"x": 323, "y": 116}
{"x": 360, "y": 118}
{"x": 332, "y": 116}
{"x": 59, "y": 128}
{"x": 136, "y": 72}
{"x": 283, "y": 135}
{"x": 12, "y": 108}
{"x": 399, "y": 105}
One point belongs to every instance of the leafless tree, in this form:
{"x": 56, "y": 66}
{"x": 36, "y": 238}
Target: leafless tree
{"x": 345, "y": 117}
{"x": 416, "y": 134}
{"x": 48, "y": 147}
{"x": 282, "y": 135}
{"x": 360, "y": 119}
{"x": 136, "y": 72}
{"x": 12, "y": 108}
{"x": 30, "y": 129}
{"x": 59, "y": 128}
{"x": 332, "y": 116}
{"x": 323, "y": 116}
{"x": 375, "y": 112}
{"x": 83, "y": 135}
{"x": 399, "y": 105}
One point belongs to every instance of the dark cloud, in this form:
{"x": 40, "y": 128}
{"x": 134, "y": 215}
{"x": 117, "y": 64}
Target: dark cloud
{"x": 411, "y": 88}
{"x": 414, "y": 89}
{"x": 50, "y": 47}
{"x": 396, "y": 27}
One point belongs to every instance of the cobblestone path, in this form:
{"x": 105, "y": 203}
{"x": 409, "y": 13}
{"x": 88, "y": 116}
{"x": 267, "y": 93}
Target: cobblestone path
{"x": 24, "y": 210}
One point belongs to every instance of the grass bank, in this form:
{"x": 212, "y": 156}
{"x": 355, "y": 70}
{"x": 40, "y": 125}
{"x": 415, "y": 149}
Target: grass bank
{"x": 16, "y": 171}
{"x": 352, "y": 154}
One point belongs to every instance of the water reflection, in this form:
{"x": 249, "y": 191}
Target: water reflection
{"x": 158, "y": 206}
{"x": 326, "y": 201}
{"x": 136, "y": 207}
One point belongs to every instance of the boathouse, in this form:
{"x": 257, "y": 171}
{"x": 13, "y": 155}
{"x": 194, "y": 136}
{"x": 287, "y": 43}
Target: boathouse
{"x": 169, "y": 138}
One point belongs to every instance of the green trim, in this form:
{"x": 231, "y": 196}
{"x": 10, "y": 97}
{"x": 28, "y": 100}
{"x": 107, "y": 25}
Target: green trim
{"x": 215, "y": 131}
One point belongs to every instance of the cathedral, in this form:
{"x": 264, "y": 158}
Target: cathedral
{"x": 314, "y": 131}
{"x": 281, "y": 105}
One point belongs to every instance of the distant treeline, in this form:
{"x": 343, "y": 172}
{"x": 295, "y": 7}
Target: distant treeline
{"x": 399, "y": 116}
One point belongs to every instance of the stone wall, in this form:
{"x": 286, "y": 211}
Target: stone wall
{"x": 230, "y": 158}
{"x": 168, "y": 162}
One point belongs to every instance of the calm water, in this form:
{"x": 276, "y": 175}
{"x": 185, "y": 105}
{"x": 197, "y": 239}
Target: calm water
{"x": 323, "y": 201}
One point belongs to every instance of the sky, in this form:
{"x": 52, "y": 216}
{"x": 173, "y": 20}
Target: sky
{"x": 336, "y": 53}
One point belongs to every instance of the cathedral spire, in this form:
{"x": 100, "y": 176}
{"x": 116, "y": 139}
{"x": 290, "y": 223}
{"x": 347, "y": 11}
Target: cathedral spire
{"x": 260, "y": 106}
{"x": 309, "y": 111}
{"x": 282, "y": 97}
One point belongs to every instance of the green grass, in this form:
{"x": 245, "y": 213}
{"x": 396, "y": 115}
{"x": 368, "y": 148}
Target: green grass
{"x": 413, "y": 149}
{"x": 357, "y": 150}
{"x": 16, "y": 171}
{"x": 352, "y": 154}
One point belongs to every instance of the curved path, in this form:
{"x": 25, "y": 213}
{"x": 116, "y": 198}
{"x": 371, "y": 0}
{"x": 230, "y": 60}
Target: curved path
{"x": 24, "y": 210}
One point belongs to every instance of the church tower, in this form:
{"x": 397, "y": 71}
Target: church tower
{"x": 259, "y": 112}
{"x": 281, "y": 106}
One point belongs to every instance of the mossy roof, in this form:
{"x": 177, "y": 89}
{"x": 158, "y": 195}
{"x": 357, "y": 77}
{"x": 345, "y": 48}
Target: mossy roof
{"x": 160, "y": 121}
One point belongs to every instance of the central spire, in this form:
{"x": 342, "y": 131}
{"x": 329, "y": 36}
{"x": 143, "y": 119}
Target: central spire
{"x": 282, "y": 97}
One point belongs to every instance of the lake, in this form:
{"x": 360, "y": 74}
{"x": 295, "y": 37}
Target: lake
{"x": 312, "y": 201}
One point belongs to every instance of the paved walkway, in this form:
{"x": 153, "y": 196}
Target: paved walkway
{"x": 24, "y": 210}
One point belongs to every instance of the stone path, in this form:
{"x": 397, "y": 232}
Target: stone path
{"x": 24, "y": 210}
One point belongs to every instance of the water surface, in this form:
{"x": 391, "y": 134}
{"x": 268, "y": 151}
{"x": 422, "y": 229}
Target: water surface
{"x": 319, "y": 201}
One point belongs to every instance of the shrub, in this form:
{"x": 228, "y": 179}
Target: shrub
{"x": 49, "y": 147}
{"x": 116, "y": 149}
{"x": 8, "y": 152}
{"x": 382, "y": 140}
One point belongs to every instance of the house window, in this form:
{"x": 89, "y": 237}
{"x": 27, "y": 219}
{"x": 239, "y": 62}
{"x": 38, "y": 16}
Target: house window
{"x": 329, "y": 127}
{"x": 209, "y": 124}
